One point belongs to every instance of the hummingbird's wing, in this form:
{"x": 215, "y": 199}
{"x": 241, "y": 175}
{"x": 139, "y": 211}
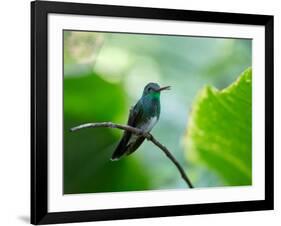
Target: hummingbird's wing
{"x": 124, "y": 147}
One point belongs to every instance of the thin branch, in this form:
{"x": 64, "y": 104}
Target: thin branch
{"x": 109, "y": 125}
{"x": 138, "y": 132}
{"x": 172, "y": 158}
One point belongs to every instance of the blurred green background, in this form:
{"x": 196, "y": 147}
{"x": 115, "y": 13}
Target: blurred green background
{"x": 104, "y": 75}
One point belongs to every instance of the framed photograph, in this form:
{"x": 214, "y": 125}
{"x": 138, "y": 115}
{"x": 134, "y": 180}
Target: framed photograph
{"x": 145, "y": 112}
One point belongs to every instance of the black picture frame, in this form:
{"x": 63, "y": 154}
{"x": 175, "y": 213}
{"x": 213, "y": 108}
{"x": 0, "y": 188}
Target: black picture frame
{"x": 39, "y": 111}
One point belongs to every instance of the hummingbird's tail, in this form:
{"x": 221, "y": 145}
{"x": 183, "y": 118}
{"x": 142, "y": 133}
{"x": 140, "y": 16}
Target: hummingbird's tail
{"x": 119, "y": 151}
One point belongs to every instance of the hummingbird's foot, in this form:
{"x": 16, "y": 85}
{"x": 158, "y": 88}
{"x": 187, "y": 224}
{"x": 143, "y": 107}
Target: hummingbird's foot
{"x": 147, "y": 135}
{"x": 142, "y": 133}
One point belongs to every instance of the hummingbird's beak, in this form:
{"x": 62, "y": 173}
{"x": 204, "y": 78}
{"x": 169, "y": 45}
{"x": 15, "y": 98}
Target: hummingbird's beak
{"x": 164, "y": 88}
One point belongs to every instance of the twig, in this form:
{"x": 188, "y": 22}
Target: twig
{"x": 138, "y": 132}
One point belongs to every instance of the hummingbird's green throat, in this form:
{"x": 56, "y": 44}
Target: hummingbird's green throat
{"x": 144, "y": 115}
{"x": 154, "y": 94}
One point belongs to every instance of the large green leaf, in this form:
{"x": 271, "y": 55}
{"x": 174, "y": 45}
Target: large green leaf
{"x": 219, "y": 134}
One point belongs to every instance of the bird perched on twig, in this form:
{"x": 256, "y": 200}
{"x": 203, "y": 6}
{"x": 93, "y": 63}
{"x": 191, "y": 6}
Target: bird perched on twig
{"x": 144, "y": 115}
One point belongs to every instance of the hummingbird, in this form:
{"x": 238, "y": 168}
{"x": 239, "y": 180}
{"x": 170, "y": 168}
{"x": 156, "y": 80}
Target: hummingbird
{"x": 143, "y": 115}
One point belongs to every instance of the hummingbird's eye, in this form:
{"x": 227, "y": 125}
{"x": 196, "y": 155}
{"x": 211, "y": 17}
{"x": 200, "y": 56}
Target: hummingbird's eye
{"x": 149, "y": 89}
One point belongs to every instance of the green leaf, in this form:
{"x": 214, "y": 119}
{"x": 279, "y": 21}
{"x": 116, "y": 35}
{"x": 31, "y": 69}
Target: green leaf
{"x": 219, "y": 134}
